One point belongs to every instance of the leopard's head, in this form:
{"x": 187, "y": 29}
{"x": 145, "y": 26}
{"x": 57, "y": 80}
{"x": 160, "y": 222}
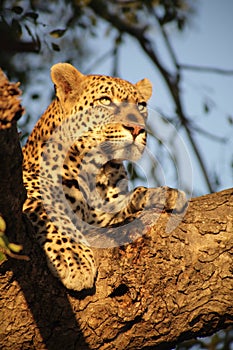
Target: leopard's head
{"x": 103, "y": 110}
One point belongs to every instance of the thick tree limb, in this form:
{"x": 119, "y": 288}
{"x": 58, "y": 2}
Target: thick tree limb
{"x": 161, "y": 289}
{"x": 12, "y": 193}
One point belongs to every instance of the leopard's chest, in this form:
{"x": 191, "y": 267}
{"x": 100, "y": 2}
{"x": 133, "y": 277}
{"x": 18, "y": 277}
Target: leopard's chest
{"x": 95, "y": 192}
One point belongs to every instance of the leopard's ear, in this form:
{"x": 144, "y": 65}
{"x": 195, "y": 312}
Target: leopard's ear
{"x": 145, "y": 88}
{"x": 66, "y": 78}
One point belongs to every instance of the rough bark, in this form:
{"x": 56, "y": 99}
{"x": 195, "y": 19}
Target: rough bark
{"x": 164, "y": 287}
{"x": 12, "y": 192}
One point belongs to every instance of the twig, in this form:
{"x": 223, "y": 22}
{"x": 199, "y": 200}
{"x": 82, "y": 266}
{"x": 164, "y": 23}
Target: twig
{"x": 13, "y": 255}
{"x": 167, "y": 41}
{"x": 203, "y": 69}
{"x": 99, "y": 60}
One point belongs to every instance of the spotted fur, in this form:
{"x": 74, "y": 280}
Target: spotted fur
{"x": 73, "y": 168}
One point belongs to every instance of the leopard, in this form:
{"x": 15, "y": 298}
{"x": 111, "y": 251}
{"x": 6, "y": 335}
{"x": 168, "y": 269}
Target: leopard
{"x": 74, "y": 168}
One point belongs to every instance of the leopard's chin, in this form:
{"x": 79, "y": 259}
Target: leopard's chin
{"x": 131, "y": 151}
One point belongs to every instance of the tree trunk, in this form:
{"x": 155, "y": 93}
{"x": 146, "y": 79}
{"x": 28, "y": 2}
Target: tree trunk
{"x": 170, "y": 284}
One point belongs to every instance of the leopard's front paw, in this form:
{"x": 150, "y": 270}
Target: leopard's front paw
{"x": 164, "y": 198}
{"x": 175, "y": 200}
{"x": 70, "y": 261}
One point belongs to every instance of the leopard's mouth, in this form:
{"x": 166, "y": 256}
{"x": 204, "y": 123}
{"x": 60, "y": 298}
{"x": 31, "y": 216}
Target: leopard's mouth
{"x": 122, "y": 149}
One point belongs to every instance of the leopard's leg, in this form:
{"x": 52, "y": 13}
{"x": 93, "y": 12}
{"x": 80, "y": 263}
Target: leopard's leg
{"x": 68, "y": 257}
{"x": 164, "y": 198}
{"x": 114, "y": 186}
{"x": 70, "y": 260}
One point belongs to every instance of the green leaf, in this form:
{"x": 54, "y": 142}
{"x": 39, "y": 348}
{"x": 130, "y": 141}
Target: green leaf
{"x": 35, "y": 96}
{"x": 16, "y": 27}
{"x": 206, "y": 108}
{"x": 57, "y": 33}
{"x": 32, "y": 15}
{"x": 38, "y": 43}
{"x": 2, "y": 256}
{"x": 181, "y": 23}
{"x": 17, "y": 9}
{"x": 217, "y": 180}
{"x": 28, "y": 30}
{"x": 230, "y": 120}
{"x": 55, "y": 47}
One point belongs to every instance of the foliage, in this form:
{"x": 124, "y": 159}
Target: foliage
{"x": 7, "y": 248}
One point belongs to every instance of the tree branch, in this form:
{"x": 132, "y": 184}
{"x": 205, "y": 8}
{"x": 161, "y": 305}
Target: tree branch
{"x": 12, "y": 192}
{"x": 206, "y": 69}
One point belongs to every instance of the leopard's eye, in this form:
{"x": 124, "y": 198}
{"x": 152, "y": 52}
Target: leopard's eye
{"x": 105, "y": 100}
{"x": 142, "y": 106}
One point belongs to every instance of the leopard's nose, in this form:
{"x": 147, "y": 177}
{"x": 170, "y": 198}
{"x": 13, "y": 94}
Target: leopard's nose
{"x": 135, "y": 129}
